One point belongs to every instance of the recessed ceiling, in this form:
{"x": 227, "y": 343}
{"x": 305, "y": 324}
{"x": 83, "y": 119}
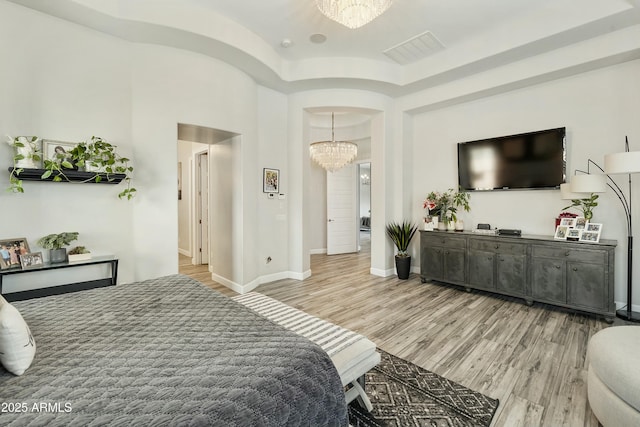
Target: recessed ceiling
{"x": 475, "y": 36}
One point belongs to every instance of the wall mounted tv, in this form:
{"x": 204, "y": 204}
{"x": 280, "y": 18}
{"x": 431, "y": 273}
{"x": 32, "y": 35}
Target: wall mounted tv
{"x": 533, "y": 160}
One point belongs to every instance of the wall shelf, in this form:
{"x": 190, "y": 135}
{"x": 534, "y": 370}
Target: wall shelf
{"x": 72, "y": 176}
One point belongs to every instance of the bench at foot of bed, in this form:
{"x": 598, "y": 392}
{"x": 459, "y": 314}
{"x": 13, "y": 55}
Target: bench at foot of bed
{"x": 351, "y": 353}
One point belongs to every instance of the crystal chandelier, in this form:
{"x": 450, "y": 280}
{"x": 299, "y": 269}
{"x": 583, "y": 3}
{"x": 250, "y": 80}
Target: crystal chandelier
{"x": 333, "y": 155}
{"x": 353, "y": 13}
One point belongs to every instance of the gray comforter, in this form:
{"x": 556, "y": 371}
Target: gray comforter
{"x": 167, "y": 351}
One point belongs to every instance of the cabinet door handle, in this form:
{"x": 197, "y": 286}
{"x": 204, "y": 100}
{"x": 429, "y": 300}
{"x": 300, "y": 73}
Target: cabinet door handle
{"x": 557, "y": 266}
{"x": 446, "y": 252}
{"x": 437, "y": 251}
{"x": 489, "y": 258}
{"x": 575, "y": 268}
{"x": 497, "y": 246}
{"x": 566, "y": 253}
{"x": 502, "y": 259}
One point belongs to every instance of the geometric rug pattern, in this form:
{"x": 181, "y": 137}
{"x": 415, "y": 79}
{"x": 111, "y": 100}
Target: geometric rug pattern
{"x": 404, "y": 394}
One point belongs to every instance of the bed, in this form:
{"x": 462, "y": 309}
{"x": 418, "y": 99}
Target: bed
{"x": 167, "y": 351}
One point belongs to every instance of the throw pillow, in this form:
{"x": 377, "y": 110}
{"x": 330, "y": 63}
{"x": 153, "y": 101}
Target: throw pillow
{"x": 17, "y": 346}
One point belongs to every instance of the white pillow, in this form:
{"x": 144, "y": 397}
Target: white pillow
{"x": 17, "y": 346}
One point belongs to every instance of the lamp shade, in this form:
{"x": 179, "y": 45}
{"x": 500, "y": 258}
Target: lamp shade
{"x": 589, "y": 183}
{"x": 626, "y": 162}
{"x": 566, "y": 193}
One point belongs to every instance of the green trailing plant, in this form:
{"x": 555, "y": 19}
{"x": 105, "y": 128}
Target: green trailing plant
{"x": 58, "y": 241}
{"x": 401, "y": 235}
{"x": 26, "y": 148}
{"x": 585, "y": 205}
{"x": 101, "y": 156}
{"x": 79, "y": 250}
{"x": 95, "y": 155}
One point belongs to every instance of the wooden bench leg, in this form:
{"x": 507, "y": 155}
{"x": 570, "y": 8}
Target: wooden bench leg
{"x": 357, "y": 392}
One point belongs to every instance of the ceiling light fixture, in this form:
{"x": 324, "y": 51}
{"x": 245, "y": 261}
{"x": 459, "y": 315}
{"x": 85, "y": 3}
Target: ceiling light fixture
{"x": 353, "y": 13}
{"x": 333, "y": 155}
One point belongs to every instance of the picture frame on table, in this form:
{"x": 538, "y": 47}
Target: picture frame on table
{"x": 594, "y": 227}
{"x": 568, "y": 222}
{"x": 581, "y": 223}
{"x": 561, "y": 232}
{"x": 33, "y": 259}
{"x": 590, "y": 236}
{"x": 11, "y": 250}
{"x": 51, "y": 149}
{"x": 271, "y": 180}
{"x": 573, "y": 234}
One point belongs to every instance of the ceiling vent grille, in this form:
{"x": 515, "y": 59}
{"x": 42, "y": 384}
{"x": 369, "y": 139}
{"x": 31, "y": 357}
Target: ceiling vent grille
{"x": 415, "y": 48}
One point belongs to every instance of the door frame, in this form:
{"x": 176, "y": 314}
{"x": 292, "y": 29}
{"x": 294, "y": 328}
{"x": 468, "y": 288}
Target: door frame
{"x": 198, "y": 241}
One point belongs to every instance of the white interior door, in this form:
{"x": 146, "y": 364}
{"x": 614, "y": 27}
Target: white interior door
{"x": 203, "y": 208}
{"x": 342, "y": 214}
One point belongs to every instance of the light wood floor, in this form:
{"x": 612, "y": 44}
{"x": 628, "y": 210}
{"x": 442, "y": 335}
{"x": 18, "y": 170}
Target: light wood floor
{"x": 531, "y": 358}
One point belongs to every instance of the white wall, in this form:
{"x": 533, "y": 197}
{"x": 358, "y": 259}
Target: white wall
{"x": 170, "y": 87}
{"x": 598, "y": 109}
{"x": 65, "y": 83}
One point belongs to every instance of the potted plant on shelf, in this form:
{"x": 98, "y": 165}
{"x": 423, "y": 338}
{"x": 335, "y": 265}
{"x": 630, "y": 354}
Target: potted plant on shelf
{"x": 401, "y": 235}
{"x": 27, "y": 154}
{"x": 96, "y": 156}
{"x": 56, "y": 244}
{"x": 100, "y": 156}
{"x": 585, "y": 205}
{"x": 79, "y": 253}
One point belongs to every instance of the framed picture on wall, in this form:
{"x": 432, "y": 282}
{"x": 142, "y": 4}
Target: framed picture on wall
{"x": 271, "y": 180}
{"x": 11, "y": 250}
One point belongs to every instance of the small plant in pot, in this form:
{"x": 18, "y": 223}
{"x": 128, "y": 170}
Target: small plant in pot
{"x": 56, "y": 244}
{"x": 585, "y": 205}
{"x": 401, "y": 235}
{"x": 79, "y": 253}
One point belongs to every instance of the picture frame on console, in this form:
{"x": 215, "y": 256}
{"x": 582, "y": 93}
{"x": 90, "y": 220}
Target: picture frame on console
{"x": 11, "y": 250}
{"x": 590, "y": 236}
{"x": 33, "y": 259}
{"x": 594, "y": 227}
{"x": 581, "y": 223}
{"x": 561, "y": 232}
{"x": 568, "y": 222}
{"x": 573, "y": 234}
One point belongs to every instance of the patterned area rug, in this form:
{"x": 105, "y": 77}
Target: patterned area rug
{"x": 404, "y": 394}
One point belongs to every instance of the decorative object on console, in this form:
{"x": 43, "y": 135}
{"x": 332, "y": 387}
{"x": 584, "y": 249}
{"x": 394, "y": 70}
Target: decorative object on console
{"x": 619, "y": 163}
{"x": 79, "y": 253}
{"x": 31, "y": 259}
{"x": 56, "y": 244}
{"x": 401, "y": 235}
{"x": 564, "y": 215}
{"x": 333, "y": 155}
{"x": 11, "y": 250}
{"x": 446, "y": 205}
{"x": 586, "y": 205}
{"x": 353, "y": 13}
{"x": 561, "y": 232}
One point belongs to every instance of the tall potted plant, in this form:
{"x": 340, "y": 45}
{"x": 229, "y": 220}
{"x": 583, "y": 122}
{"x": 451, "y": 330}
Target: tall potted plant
{"x": 401, "y": 235}
{"x": 56, "y": 244}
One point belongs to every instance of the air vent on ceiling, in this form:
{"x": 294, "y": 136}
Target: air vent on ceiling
{"x": 415, "y": 48}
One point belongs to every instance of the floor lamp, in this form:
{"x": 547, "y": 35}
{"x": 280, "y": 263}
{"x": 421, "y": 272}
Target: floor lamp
{"x": 582, "y": 186}
{"x": 627, "y": 162}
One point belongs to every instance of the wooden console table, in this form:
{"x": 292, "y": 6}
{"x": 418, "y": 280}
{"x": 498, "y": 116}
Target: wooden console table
{"x": 575, "y": 275}
{"x": 61, "y": 289}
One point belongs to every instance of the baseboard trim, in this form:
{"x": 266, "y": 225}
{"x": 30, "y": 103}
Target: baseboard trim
{"x": 184, "y": 252}
{"x": 242, "y": 289}
{"x": 634, "y": 307}
{"x": 318, "y": 251}
{"x": 382, "y": 273}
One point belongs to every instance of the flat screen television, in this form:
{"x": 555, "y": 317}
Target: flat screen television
{"x": 533, "y": 160}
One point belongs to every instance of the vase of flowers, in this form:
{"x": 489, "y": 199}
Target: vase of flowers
{"x": 445, "y": 205}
